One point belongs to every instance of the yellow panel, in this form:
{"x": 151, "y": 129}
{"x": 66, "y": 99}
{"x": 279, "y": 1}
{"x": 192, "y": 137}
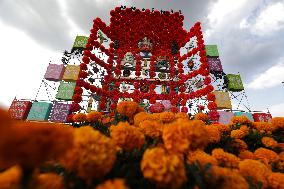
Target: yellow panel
{"x": 71, "y": 73}
{"x": 223, "y": 100}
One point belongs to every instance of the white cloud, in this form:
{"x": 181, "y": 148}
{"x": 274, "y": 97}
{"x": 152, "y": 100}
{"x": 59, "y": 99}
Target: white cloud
{"x": 277, "y": 110}
{"x": 270, "y": 78}
{"x": 270, "y": 20}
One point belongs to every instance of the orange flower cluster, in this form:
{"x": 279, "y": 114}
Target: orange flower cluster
{"x": 92, "y": 156}
{"x": 181, "y": 115}
{"x": 167, "y": 117}
{"x": 225, "y": 159}
{"x": 94, "y": 116}
{"x": 152, "y": 129}
{"x": 213, "y": 134}
{"x": 242, "y": 120}
{"x": 11, "y": 178}
{"x": 267, "y": 156}
{"x": 202, "y": 157}
{"x": 127, "y": 108}
{"x": 278, "y": 122}
{"x": 221, "y": 127}
{"x": 113, "y": 184}
{"x": 269, "y": 142}
{"x": 127, "y": 136}
{"x": 238, "y": 134}
{"x": 201, "y": 116}
{"x": 141, "y": 116}
{"x": 79, "y": 117}
{"x": 48, "y": 181}
{"x": 163, "y": 168}
{"x": 263, "y": 127}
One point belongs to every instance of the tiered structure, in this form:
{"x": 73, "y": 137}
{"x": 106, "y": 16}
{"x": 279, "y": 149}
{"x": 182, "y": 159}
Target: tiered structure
{"x": 142, "y": 56}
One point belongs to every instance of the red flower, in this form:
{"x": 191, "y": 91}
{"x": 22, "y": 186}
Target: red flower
{"x": 77, "y": 98}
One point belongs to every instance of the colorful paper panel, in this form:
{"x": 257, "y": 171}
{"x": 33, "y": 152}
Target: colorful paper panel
{"x": 59, "y": 112}
{"x": 80, "y": 42}
{"x": 247, "y": 114}
{"x": 223, "y": 100}
{"x": 39, "y": 111}
{"x": 19, "y": 109}
{"x": 211, "y": 51}
{"x": 71, "y": 73}
{"x": 225, "y": 117}
{"x": 54, "y": 72}
{"x": 262, "y": 117}
{"x": 65, "y": 91}
{"x": 234, "y": 82}
{"x": 215, "y": 64}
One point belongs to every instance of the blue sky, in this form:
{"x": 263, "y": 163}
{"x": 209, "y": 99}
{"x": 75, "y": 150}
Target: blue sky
{"x": 249, "y": 35}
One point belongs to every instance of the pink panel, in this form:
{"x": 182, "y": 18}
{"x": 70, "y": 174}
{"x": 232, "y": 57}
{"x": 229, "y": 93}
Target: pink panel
{"x": 54, "y": 72}
{"x": 225, "y": 117}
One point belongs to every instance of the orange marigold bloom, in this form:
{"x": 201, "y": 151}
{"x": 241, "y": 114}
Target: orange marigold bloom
{"x": 94, "y": 116}
{"x": 30, "y": 144}
{"x": 142, "y": 116}
{"x": 127, "y": 108}
{"x": 11, "y": 178}
{"x": 113, "y": 184}
{"x": 79, "y": 117}
{"x": 201, "y": 116}
{"x": 225, "y": 159}
{"x": 269, "y": 142}
{"x": 276, "y": 181}
{"x": 213, "y": 134}
{"x": 181, "y": 136}
{"x": 167, "y": 117}
{"x": 151, "y": 128}
{"x": 229, "y": 178}
{"x": 242, "y": 120}
{"x": 126, "y": 136}
{"x": 92, "y": 156}
{"x": 238, "y": 134}
{"x": 202, "y": 157}
{"x": 266, "y": 155}
{"x": 263, "y": 127}
{"x": 181, "y": 115}
{"x": 245, "y": 129}
{"x": 48, "y": 181}
{"x": 278, "y": 122}
{"x": 241, "y": 144}
{"x": 254, "y": 169}
{"x": 165, "y": 169}
{"x": 221, "y": 127}
{"x": 246, "y": 154}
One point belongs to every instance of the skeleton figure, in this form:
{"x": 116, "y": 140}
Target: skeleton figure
{"x": 124, "y": 88}
{"x": 128, "y": 60}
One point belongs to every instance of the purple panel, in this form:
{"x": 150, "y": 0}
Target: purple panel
{"x": 215, "y": 64}
{"x": 59, "y": 112}
{"x": 54, "y": 72}
{"x": 225, "y": 117}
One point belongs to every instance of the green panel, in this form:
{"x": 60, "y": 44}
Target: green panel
{"x": 39, "y": 111}
{"x": 234, "y": 82}
{"x": 80, "y": 42}
{"x": 247, "y": 114}
{"x": 211, "y": 50}
{"x": 65, "y": 91}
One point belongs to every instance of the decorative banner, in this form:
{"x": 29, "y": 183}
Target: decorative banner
{"x": 234, "y": 82}
{"x": 262, "y": 117}
{"x": 247, "y": 114}
{"x": 65, "y": 91}
{"x": 167, "y": 104}
{"x": 80, "y": 42}
{"x": 225, "y": 117}
{"x": 211, "y": 51}
{"x": 215, "y": 64}
{"x": 59, "y": 112}
{"x": 39, "y": 111}
{"x": 223, "y": 100}
{"x": 54, "y": 72}
{"x": 71, "y": 73}
{"x": 20, "y": 109}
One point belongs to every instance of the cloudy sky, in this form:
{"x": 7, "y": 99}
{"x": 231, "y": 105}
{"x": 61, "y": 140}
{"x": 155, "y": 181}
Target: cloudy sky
{"x": 249, "y": 35}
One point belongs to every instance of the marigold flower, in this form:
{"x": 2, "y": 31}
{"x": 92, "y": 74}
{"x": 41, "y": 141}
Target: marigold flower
{"x": 278, "y": 122}
{"x": 166, "y": 170}
{"x": 94, "y": 116}
{"x": 181, "y": 136}
{"x": 202, "y": 157}
{"x": 254, "y": 169}
{"x": 48, "y": 181}
{"x": 240, "y": 144}
{"x": 201, "y": 116}
{"x": 221, "y": 127}
{"x": 126, "y": 136}
{"x": 266, "y": 155}
{"x": 238, "y": 134}
{"x": 167, "y": 117}
{"x": 127, "y": 108}
{"x": 113, "y": 184}
{"x": 230, "y": 178}
{"x": 269, "y": 142}
{"x": 142, "y": 116}
{"x": 181, "y": 115}
{"x": 30, "y": 144}
{"x": 151, "y": 128}
{"x": 245, "y": 129}
{"x": 225, "y": 159}
{"x": 263, "y": 126}
{"x": 242, "y": 120}
{"x": 79, "y": 117}
{"x": 213, "y": 134}
{"x": 276, "y": 180}
{"x": 92, "y": 156}
{"x": 246, "y": 154}
{"x": 11, "y": 178}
